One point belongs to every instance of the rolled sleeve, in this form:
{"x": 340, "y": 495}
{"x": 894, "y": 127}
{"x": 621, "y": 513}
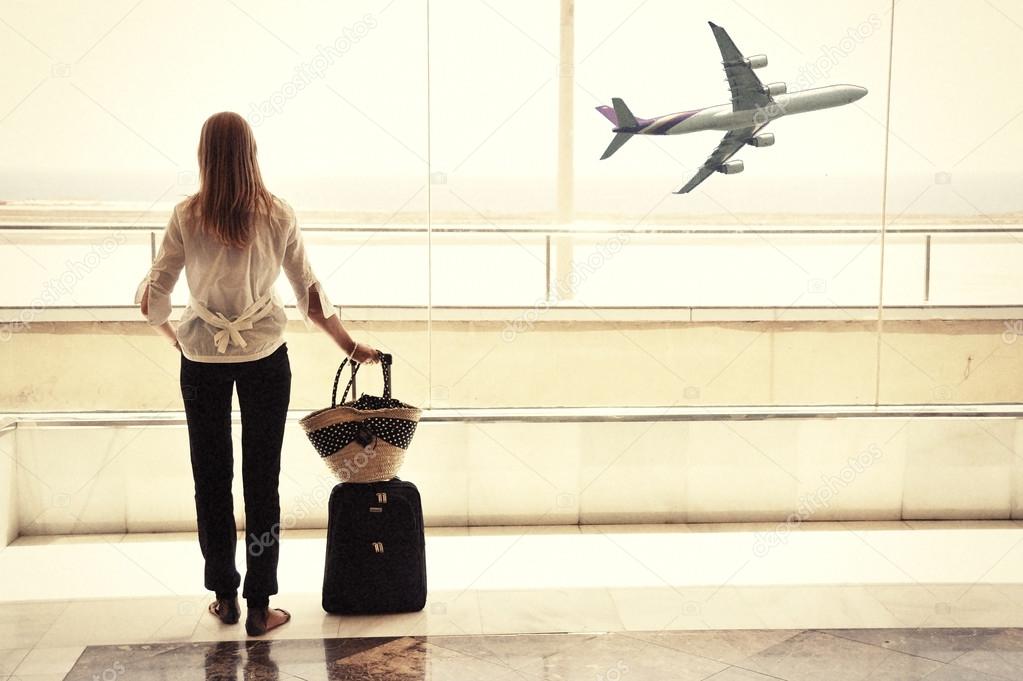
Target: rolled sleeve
{"x": 300, "y": 273}
{"x": 163, "y": 274}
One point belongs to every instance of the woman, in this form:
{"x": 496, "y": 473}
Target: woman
{"x": 233, "y": 238}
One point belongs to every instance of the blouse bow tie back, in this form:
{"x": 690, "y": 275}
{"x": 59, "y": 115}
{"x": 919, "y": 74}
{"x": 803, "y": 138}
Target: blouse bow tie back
{"x": 230, "y": 331}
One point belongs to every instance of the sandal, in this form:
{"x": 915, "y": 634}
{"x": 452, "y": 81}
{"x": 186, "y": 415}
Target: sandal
{"x": 225, "y": 609}
{"x": 255, "y": 621}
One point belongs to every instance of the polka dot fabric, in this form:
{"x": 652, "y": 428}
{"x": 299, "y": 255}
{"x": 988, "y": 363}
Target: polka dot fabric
{"x": 336, "y": 437}
{"x": 376, "y": 424}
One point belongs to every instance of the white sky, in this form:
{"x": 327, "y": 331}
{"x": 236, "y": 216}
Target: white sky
{"x": 105, "y": 100}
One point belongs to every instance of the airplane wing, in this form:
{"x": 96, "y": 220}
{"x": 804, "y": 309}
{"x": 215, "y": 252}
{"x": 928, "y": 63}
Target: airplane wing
{"x": 732, "y": 142}
{"x": 747, "y": 90}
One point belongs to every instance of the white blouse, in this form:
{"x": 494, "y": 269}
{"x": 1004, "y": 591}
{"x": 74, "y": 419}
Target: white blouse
{"x": 234, "y": 313}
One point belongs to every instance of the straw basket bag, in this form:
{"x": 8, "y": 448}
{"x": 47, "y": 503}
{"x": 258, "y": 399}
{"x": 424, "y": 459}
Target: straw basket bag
{"x": 363, "y": 440}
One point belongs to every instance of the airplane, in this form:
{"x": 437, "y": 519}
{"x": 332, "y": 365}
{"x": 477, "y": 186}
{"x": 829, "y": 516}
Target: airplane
{"x": 752, "y": 108}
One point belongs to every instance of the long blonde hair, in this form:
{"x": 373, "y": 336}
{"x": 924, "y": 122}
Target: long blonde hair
{"x": 231, "y": 187}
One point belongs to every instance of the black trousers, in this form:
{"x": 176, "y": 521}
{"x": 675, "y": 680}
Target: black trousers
{"x": 264, "y": 392}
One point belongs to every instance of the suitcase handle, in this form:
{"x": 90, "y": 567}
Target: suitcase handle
{"x": 385, "y": 365}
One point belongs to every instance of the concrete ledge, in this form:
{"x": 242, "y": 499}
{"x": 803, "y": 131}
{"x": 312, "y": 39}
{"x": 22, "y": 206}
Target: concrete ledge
{"x": 129, "y": 472}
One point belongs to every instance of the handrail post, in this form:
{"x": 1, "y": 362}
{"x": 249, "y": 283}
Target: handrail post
{"x": 547, "y": 265}
{"x": 927, "y": 269}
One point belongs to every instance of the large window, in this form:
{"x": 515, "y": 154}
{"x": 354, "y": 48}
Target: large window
{"x": 444, "y": 158}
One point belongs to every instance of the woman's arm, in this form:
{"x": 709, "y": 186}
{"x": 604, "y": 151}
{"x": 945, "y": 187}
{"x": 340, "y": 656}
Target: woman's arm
{"x": 166, "y": 329}
{"x": 311, "y": 299}
{"x": 362, "y": 354}
{"x": 160, "y": 280}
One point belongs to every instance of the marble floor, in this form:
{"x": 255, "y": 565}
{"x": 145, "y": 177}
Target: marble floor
{"x": 732, "y": 655}
{"x": 946, "y": 596}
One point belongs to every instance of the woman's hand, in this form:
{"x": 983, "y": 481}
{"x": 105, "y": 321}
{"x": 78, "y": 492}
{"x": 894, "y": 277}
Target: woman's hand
{"x": 364, "y": 354}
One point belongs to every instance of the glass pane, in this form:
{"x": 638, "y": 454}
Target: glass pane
{"x": 100, "y": 122}
{"x": 494, "y": 140}
{"x": 760, "y": 273}
{"x": 954, "y": 205}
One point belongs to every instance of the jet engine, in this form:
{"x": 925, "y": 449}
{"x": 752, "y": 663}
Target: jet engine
{"x": 765, "y": 140}
{"x": 776, "y": 89}
{"x": 757, "y": 61}
{"x": 731, "y": 167}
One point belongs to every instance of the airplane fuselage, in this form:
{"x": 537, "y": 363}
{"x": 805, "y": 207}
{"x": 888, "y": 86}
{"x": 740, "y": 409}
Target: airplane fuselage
{"x": 722, "y": 117}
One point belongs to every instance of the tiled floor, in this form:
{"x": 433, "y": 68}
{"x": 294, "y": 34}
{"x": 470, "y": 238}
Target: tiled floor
{"x": 610, "y": 587}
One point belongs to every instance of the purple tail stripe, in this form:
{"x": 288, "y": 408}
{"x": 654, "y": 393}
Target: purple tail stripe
{"x": 669, "y": 122}
{"x": 609, "y": 113}
{"x": 650, "y": 126}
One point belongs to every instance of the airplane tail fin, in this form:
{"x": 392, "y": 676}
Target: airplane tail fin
{"x": 620, "y": 117}
{"x": 616, "y": 144}
{"x": 622, "y": 113}
{"x": 619, "y": 114}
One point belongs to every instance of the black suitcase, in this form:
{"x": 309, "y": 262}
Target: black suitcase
{"x": 376, "y": 550}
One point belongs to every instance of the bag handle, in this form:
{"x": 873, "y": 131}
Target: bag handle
{"x": 337, "y": 377}
{"x": 385, "y": 364}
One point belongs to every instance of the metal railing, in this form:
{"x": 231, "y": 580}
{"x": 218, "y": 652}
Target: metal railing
{"x": 548, "y": 232}
{"x": 54, "y": 419}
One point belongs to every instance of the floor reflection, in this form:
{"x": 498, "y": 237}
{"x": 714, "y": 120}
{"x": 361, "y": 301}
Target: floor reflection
{"x": 259, "y": 664}
{"x": 631, "y": 656}
{"x": 221, "y": 661}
